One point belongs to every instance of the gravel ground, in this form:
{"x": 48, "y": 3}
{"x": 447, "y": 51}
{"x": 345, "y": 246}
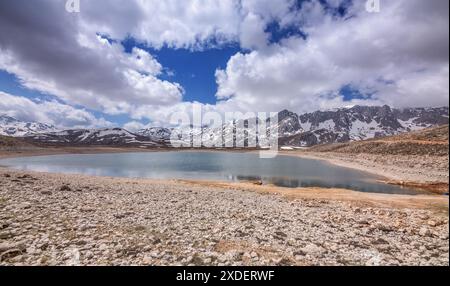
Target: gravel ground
{"x": 412, "y": 168}
{"x": 52, "y": 219}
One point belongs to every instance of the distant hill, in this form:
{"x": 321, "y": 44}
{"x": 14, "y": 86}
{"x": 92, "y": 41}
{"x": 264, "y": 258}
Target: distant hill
{"x": 358, "y": 123}
{"x": 431, "y": 141}
{"x": 11, "y": 143}
{"x": 118, "y": 137}
{"x": 310, "y": 129}
{"x": 10, "y": 126}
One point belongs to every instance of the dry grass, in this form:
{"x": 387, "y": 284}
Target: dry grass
{"x": 433, "y": 141}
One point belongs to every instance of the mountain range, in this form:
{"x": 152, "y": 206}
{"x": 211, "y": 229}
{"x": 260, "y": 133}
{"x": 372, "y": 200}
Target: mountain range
{"x": 320, "y": 127}
{"x": 9, "y": 126}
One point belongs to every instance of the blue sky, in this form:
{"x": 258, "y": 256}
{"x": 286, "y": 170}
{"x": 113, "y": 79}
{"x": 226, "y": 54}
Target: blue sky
{"x": 9, "y": 83}
{"x": 194, "y": 70}
{"x": 157, "y": 58}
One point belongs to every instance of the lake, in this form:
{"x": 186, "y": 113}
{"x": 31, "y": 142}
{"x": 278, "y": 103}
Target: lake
{"x": 282, "y": 171}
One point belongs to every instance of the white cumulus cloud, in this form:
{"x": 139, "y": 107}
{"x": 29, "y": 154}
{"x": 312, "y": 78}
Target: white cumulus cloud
{"x": 400, "y": 55}
{"x": 50, "y": 112}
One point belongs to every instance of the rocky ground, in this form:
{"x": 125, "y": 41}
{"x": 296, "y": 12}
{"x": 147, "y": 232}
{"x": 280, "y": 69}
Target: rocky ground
{"x": 414, "y": 157}
{"x": 51, "y": 219}
{"x": 408, "y": 168}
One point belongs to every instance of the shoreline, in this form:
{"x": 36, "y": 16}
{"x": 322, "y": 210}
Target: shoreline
{"x": 405, "y": 176}
{"x": 433, "y": 184}
{"x": 75, "y": 219}
{"x": 428, "y": 200}
{"x": 46, "y": 218}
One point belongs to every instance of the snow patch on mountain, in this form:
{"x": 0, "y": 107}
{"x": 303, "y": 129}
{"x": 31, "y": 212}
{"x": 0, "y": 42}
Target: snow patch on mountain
{"x": 10, "y": 126}
{"x": 99, "y": 137}
{"x": 361, "y": 130}
{"x": 309, "y": 129}
{"x": 158, "y": 133}
{"x": 361, "y": 123}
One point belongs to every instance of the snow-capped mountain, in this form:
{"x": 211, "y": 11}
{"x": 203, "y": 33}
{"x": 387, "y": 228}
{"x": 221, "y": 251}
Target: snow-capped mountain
{"x": 93, "y": 137}
{"x": 10, "y": 126}
{"x": 309, "y": 129}
{"x": 339, "y": 125}
{"x": 361, "y": 123}
{"x": 156, "y": 133}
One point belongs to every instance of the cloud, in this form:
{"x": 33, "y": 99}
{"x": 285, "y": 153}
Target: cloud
{"x": 189, "y": 24}
{"x": 194, "y": 24}
{"x": 257, "y": 15}
{"x": 54, "y": 52}
{"x": 50, "y": 112}
{"x": 253, "y": 35}
{"x": 400, "y": 55}
{"x": 62, "y": 54}
{"x": 134, "y": 126}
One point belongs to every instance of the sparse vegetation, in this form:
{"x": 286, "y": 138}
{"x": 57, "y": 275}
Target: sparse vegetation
{"x": 433, "y": 142}
{"x": 13, "y": 144}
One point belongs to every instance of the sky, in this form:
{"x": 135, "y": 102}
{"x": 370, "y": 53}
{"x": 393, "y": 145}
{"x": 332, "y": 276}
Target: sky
{"x": 134, "y": 63}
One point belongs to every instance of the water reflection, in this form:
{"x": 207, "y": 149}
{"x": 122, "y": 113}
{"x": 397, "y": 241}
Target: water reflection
{"x": 281, "y": 171}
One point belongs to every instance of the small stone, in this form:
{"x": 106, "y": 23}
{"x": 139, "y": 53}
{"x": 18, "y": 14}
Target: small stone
{"x": 283, "y": 262}
{"x": 10, "y": 254}
{"x": 379, "y": 241}
{"x": 207, "y": 260}
{"x": 280, "y": 234}
{"x": 383, "y": 227}
{"x": 432, "y": 223}
{"x": 277, "y": 261}
{"x": 374, "y": 261}
{"x": 4, "y": 225}
{"x": 312, "y": 249}
{"x": 24, "y": 206}
{"x": 424, "y": 232}
{"x": 32, "y": 250}
{"x": 65, "y": 188}
{"x": 363, "y": 221}
{"x": 156, "y": 241}
{"x": 6, "y": 246}
{"x": 299, "y": 257}
{"x": 26, "y": 176}
{"x": 147, "y": 260}
{"x": 89, "y": 254}
{"x": 424, "y": 217}
{"x": 5, "y": 235}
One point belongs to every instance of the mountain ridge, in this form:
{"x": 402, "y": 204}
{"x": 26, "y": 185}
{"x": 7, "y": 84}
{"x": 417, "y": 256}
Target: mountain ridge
{"x": 305, "y": 130}
{"x": 10, "y": 126}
